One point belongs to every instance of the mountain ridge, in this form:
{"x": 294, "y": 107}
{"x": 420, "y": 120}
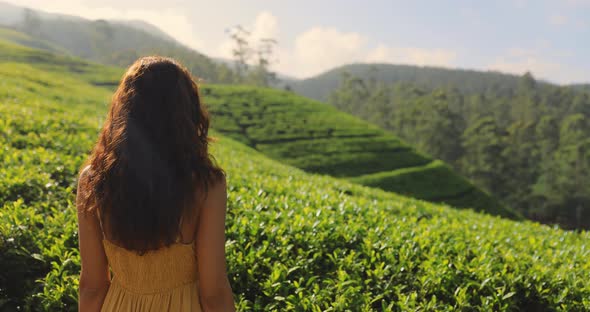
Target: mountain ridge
{"x": 109, "y": 42}
{"x": 468, "y": 81}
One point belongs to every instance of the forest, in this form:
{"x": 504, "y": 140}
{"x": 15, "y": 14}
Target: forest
{"x": 529, "y": 145}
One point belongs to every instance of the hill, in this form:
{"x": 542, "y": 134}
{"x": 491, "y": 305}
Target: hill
{"x": 296, "y": 241}
{"x": 340, "y": 145}
{"x": 146, "y": 27}
{"x": 526, "y": 146}
{"x": 466, "y": 81}
{"x": 582, "y": 87}
{"x": 116, "y": 43}
{"x": 318, "y": 138}
{"x": 11, "y": 35}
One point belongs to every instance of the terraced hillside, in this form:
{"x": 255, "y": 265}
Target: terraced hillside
{"x": 10, "y": 52}
{"x": 318, "y": 138}
{"x": 306, "y": 134}
{"x": 296, "y": 241}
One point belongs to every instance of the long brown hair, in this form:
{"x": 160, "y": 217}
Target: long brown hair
{"x": 151, "y": 163}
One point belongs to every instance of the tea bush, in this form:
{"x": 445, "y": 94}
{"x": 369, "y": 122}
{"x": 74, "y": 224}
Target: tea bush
{"x": 296, "y": 241}
{"x": 295, "y": 130}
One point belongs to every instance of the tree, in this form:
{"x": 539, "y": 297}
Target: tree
{"x": 568, "y": 191}
{"x": 241, "y": 50}
{"x": 379, "y": 107}
{"x": 566, "y": 176}
{"x": 484, "y": 144}
{"x": 31, "y": 23}
{"x": 350, "y": 94}
{"x": 547, "y": 136}
{"x": 581, "y": 104}
{"x": 526, "y": 108}
{"x": 440, "y": 128}
{"x": 542, "y": 193}
{"x": 262, "y": 75}
{"x": 519, "y": 154}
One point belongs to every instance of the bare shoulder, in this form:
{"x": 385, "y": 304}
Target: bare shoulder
{"x": 217, "y": 190}
{"x": 220, "y": 183}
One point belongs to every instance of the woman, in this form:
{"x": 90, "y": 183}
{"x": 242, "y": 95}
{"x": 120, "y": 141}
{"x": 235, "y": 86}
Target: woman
{"x": 151, "y": 201}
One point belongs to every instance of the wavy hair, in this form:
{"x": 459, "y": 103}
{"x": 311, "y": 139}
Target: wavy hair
{"x": 151, "y": 165}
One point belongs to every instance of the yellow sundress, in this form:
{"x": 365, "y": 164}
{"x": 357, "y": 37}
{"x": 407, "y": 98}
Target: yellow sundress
{"x": 162, "y": 280}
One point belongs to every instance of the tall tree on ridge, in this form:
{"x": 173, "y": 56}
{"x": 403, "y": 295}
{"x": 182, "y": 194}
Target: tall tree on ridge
{"x": 242, "y": 51}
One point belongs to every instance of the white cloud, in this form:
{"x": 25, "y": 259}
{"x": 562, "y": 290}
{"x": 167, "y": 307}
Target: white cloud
{"x": 266, "y": 25}
{"x": 321, "y": 48}
{"x": 411, "y": 55}
{"x": 225, "y": 49}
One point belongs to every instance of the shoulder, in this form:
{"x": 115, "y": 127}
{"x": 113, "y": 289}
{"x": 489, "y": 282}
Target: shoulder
{"x": 210, "y": 190}
{"x": 220, "y": 181}
{"x": 217, "y": 189}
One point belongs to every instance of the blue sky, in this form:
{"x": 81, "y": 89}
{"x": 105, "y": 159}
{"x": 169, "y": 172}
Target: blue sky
{"x": 547, "y": 37}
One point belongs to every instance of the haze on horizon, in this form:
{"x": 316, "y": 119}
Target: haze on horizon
{"x": 545, "y": 37}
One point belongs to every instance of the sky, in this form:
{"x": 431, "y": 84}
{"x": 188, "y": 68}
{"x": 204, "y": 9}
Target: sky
{"x": 549, "y": 38}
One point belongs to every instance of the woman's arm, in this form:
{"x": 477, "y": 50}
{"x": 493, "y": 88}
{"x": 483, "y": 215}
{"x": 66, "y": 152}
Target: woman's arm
{"x": 95, "y": 275}
{"x": 214, "y": 288}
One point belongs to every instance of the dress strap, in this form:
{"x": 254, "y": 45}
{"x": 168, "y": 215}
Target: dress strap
{"x": 193, "y": 232}
{"x": 100, "y": 223}
{"x": 179, "y": 238}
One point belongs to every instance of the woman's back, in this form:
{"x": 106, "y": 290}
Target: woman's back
{"x": 165, "y": 279}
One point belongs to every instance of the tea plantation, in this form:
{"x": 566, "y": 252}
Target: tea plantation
{"x": 318, "y": 138}
{"x": 296, "y": 241}
{"x": 300, "y": 132}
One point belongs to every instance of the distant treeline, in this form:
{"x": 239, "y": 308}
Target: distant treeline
{"x": 529, "y": 146}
